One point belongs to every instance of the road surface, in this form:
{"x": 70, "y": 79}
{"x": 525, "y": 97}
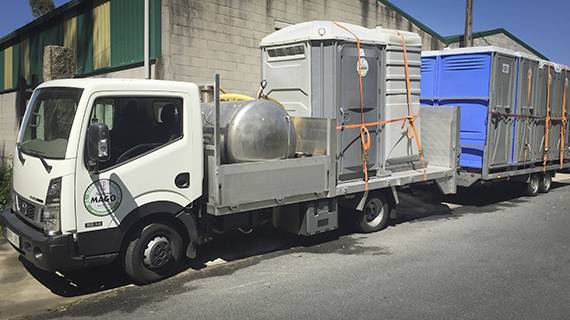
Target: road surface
{"x": 484, "y": 254}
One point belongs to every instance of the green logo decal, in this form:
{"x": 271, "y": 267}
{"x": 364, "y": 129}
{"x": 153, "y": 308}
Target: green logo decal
{"x": 102, "y": 197}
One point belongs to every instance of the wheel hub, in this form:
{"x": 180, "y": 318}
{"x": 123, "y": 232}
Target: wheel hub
{"x": 372, "y": 210}
{"x": 534, "y": 184}
{"x": 157, "y": 252}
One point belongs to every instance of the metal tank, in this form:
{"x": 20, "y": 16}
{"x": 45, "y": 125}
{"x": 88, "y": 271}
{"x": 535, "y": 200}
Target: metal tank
{"x": 255, "y": 130}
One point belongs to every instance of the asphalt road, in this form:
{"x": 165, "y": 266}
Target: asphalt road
{"x": 494, "y": 255}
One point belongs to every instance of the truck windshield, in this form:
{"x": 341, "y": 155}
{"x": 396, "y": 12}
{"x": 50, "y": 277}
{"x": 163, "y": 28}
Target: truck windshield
{"x": 48, "y": 122}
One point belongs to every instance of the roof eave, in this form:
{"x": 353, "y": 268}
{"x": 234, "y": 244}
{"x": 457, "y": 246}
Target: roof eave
{"x": 61, "y": 10}
{"x": 480, "y": 34}
{"x": 413, "y": 20}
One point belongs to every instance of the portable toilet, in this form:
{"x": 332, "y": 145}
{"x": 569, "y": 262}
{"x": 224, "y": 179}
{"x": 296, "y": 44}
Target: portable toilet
{"x": 564, "y": 105}
{"x": 505, "y": 98}
{"x": 551, "y": 90}
{"x": 482, "y": 81}
{"x": 312, "y": 69}
{"x": 529, "y": 128}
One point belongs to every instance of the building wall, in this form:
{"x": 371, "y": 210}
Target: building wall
{"x": 132, "y": 73}
{"x": 201, "y": 38}
{"x": 8, "y": 125}
{"x": 497, "y": 40}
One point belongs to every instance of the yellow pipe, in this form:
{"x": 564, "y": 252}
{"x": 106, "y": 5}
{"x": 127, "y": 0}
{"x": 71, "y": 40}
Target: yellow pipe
{"x": 242, "y": 97}
{"x": 235, "y": 97}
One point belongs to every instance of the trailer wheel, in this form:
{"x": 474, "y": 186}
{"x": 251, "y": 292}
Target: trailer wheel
{"x": 532, "y": 185}
{"x": 153, "y": 253}
{"x": 375, "y": 214}
{"x": 545, "y": 183}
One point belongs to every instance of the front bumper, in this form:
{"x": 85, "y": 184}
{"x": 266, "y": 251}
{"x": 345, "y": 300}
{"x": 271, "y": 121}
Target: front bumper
{"x": 51, "y": 253}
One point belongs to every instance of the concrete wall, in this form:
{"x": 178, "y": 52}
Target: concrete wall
{"x": 201, "y": 38}
{"x": 497, "y": 40}
{"x": 133, "y": 73}
{"x": 8, "y": 125}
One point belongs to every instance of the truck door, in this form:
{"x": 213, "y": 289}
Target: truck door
{"x": 349, "y": 111}
{"x": 154, "y": 157}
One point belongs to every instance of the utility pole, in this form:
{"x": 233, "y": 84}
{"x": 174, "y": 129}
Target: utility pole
{"x": 468, "y": 36}
{"x": 146, "y": 40}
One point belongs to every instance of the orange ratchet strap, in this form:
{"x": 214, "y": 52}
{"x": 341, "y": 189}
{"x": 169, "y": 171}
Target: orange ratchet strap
{"x": 412, "y": 131}
{"x": 364, "y": 132}
{"x": 363, "y": 126}
{"x": 529, "y": 102}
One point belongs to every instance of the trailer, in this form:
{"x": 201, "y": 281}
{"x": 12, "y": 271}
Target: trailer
{"x": 142, "y": 172}
{"x": 513, "y": 113}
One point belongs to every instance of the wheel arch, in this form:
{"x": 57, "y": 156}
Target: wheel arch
{"x": 112, "y": 240}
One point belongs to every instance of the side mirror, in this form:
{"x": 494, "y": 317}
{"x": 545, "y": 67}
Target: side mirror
{"x": 98, "y": 144}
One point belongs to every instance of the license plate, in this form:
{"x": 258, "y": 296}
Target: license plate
{"x": 13, "y": 238}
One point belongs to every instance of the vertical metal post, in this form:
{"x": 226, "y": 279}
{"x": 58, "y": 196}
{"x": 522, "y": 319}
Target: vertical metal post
{"x": 217, "y": 133}
{"x": 146, "y": 39}
{"x": 468, "y": 36}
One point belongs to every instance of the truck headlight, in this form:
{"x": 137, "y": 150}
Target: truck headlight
{"x": 51, "y": 212}
{"x": 51, "y": 219}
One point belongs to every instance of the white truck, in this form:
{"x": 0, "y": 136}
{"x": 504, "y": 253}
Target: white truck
{"x": 142, "y": 172}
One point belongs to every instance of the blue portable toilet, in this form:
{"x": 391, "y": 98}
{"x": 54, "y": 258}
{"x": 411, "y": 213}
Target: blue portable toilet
{"x": 482, "y": 81}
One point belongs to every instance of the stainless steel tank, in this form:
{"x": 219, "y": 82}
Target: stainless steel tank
{"x": 254, "y": 130}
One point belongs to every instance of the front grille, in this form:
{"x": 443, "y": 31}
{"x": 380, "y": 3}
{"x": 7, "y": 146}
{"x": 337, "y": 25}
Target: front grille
{"x": 30, "y": 212}
{"x": 27, "y": 209}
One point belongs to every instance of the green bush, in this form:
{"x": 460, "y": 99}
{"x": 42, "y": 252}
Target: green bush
{"x": 5, "y": 184}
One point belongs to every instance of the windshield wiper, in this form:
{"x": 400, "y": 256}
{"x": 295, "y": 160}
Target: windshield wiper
{"x": 44, "y": 162}
{"x": 42, "y": 159}
{"x": 20, "y": 155}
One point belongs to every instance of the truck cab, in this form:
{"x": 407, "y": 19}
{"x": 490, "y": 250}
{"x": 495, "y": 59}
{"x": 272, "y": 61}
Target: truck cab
{"x": 94, "y": 158}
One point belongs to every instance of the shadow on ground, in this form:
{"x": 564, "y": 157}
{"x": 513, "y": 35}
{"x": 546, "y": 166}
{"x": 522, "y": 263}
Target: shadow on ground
{"x": 78, "y": 283}
{"x": 426, "y": 203}
{"x": 417, "y": 204}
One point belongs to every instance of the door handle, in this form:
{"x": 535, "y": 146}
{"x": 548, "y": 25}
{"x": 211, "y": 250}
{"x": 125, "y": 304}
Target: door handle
{"x": 182, "y": 180}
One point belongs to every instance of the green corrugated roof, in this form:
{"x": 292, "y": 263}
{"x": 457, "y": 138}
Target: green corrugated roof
{"x": 413, "y": 20}
{"x": 459, "y": 38}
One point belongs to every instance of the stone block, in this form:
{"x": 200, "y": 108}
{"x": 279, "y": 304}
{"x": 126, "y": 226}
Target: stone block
{"x": 59, "y": 63}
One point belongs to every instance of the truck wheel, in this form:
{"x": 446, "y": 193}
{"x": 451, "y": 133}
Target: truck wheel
{"x": 545, "y": 183}
{"x": 375, "y": 214}
{"x": 532, "y": 185}
{"x": 153, "y": 253}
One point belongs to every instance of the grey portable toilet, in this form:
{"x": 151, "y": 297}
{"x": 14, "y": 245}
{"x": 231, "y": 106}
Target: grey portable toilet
{"x": 528, "y": 137}
{"x": 550, "y": 86}
{"x": 312, "y": 69}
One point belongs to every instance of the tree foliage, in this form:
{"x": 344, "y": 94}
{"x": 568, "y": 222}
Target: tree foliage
{"x": 5, "y": 184}
{"x": 41, "y": 7}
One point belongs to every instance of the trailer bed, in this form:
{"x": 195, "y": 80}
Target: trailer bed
{"x": 241, "y": 187}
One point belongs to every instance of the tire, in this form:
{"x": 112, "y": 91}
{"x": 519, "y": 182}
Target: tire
{"x": 532, "y": 185}
{"x": 375, "y": 214}
{"x": 153, "y": 253}
{"x": 545, "y": 183}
